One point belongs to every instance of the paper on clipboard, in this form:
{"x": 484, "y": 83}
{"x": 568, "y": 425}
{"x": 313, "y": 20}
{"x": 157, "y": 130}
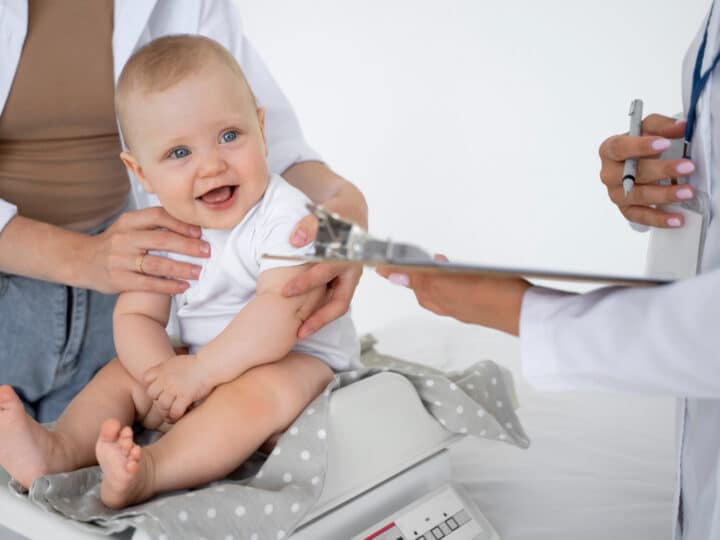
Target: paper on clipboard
{"x": 342, "y": 242}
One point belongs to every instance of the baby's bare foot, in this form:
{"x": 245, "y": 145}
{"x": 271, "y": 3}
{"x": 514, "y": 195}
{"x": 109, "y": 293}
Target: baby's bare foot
{"x": 26, "y": 447}
{"x": 126, "y": 473}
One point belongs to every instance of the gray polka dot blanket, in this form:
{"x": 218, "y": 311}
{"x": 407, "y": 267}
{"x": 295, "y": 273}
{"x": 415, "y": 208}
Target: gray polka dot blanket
{"x": 268, "y": 496}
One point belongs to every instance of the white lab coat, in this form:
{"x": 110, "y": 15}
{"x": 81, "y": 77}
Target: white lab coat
{"x": 662, "y": 340}
{"x": 136, "y": 22}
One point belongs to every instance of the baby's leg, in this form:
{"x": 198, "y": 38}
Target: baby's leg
{"x": 29, "y": 451}
{"x": 213, "y": 439}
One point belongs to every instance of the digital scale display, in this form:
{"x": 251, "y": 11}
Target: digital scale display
{"x": 443, "y": 514}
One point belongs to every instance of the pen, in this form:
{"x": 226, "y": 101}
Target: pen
{"x": 630, "y": 168}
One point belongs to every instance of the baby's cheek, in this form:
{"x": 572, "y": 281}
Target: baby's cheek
{"x": 182, "y": 208}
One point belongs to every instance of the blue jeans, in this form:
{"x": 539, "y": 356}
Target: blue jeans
{"x": 53, "y": 339}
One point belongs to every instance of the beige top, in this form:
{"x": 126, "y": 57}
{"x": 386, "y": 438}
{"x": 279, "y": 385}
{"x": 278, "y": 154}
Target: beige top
{"x": 59, "y": 142}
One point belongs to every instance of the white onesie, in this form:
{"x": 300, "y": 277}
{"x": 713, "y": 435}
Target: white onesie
{"x": 229, "y": 277}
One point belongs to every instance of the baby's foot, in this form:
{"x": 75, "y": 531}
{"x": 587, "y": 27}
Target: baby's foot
{"x": 125, "y": 469}
{"x": 26, "y": 446}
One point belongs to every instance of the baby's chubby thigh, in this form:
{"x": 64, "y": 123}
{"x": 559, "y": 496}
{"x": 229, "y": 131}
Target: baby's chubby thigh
{"x": 280, "y": 390}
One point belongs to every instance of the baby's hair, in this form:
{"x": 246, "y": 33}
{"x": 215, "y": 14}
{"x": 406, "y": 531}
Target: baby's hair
{"x": 166, "y": 61}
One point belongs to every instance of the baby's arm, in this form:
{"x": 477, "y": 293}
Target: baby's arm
{"x": 264, "y": 331}
{"x": 139, "y": 322}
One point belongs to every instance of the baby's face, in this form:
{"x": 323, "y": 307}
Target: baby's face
{"x": 200, "y": 146}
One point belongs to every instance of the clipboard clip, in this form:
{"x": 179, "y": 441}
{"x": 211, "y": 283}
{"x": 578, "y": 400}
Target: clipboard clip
{"x": 339, "y": 239}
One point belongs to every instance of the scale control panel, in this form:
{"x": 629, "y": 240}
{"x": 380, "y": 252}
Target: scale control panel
{"x": 447, "y": 513}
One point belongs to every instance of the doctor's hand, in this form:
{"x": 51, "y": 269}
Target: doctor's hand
{"x": 494, "y": 302}
{"x": 117, "y": 260}
{"x": 340, "y": 282}
{"x": 657, "y": 130}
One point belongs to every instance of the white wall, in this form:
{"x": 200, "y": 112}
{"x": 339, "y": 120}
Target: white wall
{"x": 473, "y": 126}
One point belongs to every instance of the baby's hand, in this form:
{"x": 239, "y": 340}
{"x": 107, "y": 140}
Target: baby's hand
{"x": 175, "y": 384}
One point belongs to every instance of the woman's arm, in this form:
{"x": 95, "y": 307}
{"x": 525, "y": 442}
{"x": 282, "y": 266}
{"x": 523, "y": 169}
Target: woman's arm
{"x": 487, "y": 301}
{"x": 105, "y": 262}
{"x": 325, "y": 187}
{"x": 654, "y": 339}
{"x": 42, "y": 251}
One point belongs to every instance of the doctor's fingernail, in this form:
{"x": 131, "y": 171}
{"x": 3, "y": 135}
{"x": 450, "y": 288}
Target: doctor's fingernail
{"x": 684, "y": 194}
{"x": 205, "y": 248}
{"x": 686, "y": 167}
{"x": 399, "y": 279}
{"x": 674, "y": 222}
{"x": 660, "y": 144}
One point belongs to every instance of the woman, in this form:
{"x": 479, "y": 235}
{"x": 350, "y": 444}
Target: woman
{"x": 68, "y": 243}
{"x": 662, "y": 339}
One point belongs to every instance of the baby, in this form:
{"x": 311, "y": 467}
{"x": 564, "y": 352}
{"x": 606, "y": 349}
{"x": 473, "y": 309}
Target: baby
{"x": 195, "y": 139}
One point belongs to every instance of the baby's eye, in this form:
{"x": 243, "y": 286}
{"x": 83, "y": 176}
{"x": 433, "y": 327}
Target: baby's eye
{"x": 179, "y": 153}
{"x": 229, "y": 136}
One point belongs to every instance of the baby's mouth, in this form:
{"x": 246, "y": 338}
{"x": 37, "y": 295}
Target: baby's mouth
{"x": 218, "y": 195}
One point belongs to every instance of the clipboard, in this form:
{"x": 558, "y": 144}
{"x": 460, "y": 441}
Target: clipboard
{"x": 343, "y": 242}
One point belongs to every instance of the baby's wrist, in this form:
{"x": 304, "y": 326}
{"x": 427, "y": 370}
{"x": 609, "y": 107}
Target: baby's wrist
{"x": 206, "y": 371}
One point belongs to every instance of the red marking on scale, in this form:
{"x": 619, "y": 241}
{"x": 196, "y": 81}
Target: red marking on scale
{"x": 380, "y": 531}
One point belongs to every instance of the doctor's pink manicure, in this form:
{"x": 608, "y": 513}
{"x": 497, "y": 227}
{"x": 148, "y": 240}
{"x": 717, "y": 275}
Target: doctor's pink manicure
{"x": 686, "y": 167}
{"x": 660, "y": 145}
{"x": 684, "y": 194}
{"x": 399, "y": 279}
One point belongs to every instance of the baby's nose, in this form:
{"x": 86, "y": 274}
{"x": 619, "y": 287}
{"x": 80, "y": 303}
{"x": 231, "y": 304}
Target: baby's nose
{"x": 211, "y": 165}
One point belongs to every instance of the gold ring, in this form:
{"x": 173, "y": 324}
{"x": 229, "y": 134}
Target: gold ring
{"x": 139, "y": 263}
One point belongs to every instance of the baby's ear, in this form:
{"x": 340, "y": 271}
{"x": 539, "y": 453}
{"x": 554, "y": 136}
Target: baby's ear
{"x": 134, "y": 167}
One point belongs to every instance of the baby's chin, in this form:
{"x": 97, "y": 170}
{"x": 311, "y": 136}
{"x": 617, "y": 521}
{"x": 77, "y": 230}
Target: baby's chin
{"x": 222, "y": 219}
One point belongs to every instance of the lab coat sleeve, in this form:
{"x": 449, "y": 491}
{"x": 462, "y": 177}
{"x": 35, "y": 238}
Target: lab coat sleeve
{"x": 7, "y": 212}
{"x": 221, "y": 21}
{"x": 656, "y": 340}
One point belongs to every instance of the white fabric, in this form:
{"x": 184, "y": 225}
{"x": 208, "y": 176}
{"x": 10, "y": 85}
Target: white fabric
{"x": 136, "y": 24}
{"x": 229, "y": 277}
{"x": 663, "y": 340}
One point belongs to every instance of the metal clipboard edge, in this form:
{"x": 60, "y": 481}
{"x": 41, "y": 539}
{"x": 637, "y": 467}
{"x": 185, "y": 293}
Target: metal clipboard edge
{"x": 489, "y": 271}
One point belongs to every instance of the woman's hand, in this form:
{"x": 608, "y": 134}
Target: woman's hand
{"x": 340, "y": 281}
{"x": 657, "y": 131}
{"x": 117, "y": 259}
{"x": 494, "y": 302}
{"x": 337, "y": 195}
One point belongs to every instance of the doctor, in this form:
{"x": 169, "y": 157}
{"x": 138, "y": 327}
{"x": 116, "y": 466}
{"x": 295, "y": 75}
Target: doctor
{"x": 660, "y": 340}
{"x": 67, "y": 241}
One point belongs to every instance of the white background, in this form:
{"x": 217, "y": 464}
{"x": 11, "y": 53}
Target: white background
{"x": 472, "y": 126}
